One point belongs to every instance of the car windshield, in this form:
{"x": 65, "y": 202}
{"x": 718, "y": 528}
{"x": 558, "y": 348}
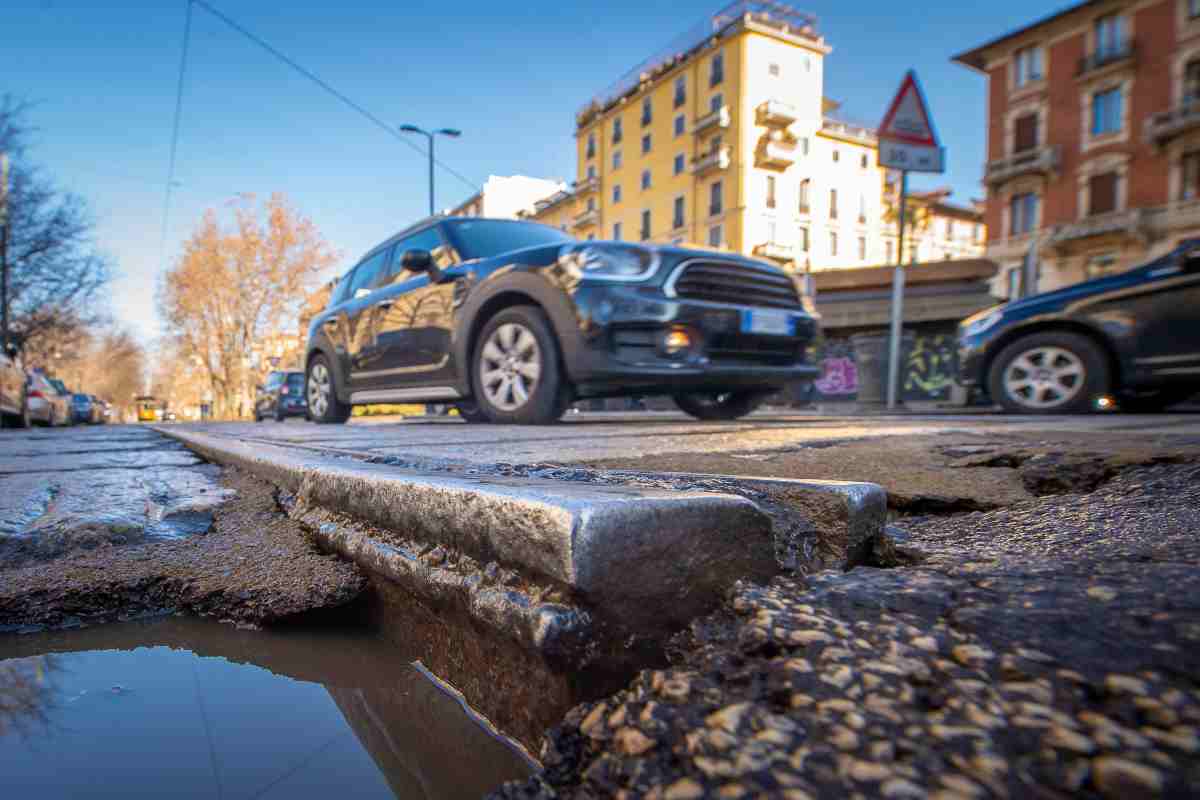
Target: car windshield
{"x": 484, "y": 238}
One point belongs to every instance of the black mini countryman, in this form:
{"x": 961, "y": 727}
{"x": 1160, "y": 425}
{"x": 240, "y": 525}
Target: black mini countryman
{"x": 512, "y": 321}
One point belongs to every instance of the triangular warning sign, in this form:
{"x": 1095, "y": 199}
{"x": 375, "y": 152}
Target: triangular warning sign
{"x": 907, "y": 119}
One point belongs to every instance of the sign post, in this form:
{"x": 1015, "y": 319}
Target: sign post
{"x": 907, "y": 142}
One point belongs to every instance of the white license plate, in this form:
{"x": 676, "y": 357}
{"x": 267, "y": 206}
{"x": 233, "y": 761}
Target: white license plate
{"x": 769, "y": 323}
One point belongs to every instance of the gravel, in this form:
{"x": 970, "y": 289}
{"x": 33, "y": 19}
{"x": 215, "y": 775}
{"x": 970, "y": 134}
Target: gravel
{"x": 1049, "y": 649}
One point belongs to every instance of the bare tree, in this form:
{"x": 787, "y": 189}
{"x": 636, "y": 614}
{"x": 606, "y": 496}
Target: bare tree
{"x": 56, "y": 275}
{"x": 236, "y": 283}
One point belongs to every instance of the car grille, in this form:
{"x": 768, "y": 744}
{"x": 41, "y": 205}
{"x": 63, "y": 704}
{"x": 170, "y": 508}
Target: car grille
{"x": 736, "y": 283}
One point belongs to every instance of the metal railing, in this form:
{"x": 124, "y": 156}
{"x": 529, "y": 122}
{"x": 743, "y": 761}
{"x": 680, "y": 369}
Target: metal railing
{"x": 1167, "y": 124}
{"x": 1102, "y": 58}
{"x": 1038, "y": 159}
{"x": 767, "y": 12}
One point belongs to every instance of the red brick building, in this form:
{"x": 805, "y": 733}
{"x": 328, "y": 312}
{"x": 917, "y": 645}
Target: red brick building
{"x": 1093, "y": 138}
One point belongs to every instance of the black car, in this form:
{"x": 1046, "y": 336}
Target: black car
{"x": 512, "y": 321}
{"x": 282, "y": 396}
{"x": 1134, "y": 336}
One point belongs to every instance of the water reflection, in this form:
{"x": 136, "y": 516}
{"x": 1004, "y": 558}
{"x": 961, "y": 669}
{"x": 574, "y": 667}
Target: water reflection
{"x": 186, "y": 708}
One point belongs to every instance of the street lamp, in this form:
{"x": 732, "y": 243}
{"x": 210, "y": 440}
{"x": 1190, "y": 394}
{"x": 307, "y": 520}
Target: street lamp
{"x": 453, "y": 133}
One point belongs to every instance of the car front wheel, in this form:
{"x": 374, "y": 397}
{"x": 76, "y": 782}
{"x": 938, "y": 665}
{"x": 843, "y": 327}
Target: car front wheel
{"x": 321, "y": 389}
{"x": 714, "y": 406}
{"x": 1049, "y": 373}
{"x": 516, "y": 376}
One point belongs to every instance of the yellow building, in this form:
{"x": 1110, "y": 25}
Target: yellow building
{"x": 726, "y": 140}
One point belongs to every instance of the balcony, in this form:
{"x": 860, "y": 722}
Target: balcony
{"x": 1166, "y": 125}
{"x": 775, "y": 154}
{"x": 849, "y": 132}
{"x": 1036, "y": 161}
{"x": 586, "y": 219}
{"x": 775, "y": 251}
{"x": 587, "y": 186}
{"x": 712, "y": 120}
{"x": 1098, "y": 62}
{"x": 776, "y": 114}
{"x": 711, "y": 162}
{"x": 1131, "y": 223}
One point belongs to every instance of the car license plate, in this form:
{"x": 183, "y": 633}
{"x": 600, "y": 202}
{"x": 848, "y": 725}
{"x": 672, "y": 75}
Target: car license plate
{"x": 768, "y": 323}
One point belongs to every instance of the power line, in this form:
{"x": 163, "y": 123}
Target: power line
{"x": 187, "y": 38}
{"x": 315, "y": 79}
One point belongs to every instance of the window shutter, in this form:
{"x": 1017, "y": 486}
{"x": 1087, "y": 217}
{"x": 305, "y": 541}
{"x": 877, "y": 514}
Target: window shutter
{"x": 1026, "y": 134}
{"x": 1102, "y": 193}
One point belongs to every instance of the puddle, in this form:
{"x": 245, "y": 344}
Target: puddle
{"x": 179, "y": 707}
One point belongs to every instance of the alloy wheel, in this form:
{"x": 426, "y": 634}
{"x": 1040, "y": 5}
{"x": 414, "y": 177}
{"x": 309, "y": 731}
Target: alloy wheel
{"x": 1045, "y": 377}
{"x": 510, "y": 365}
{"x": 318, "y": 389}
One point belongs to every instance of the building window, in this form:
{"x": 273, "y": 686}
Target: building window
{"x": 679, "y": 161}
{"x": 770, "y": 191}
{"x": 647, "y": 111}
{"x": 773, "y": 70}
{"x": 616, "y": 193}
{"x": 836, "y": 155}
{"x": 864, "y": 161}
{"x": 717, "y": 69}
{"x": 646, "y": 144}
{"x": 1110, "y": 36}
{"x": 1106, "y": 112}
{"x": 862, "y": 208}
{"x": 645, "y": 179}
{"x": 804, "y": 240}
{"x": 617, "y": 130}
{"x": 977, "y": 233}
{"x": 949, "y": 229}
{"x": 1193, "y": 9}
{"x": 680, "y": 125}
{"x": 1189, "y": 173}
{"x": 644, "y": 233}
{"x": 1022, "y": 213}
{"x": 616, "y": 231}
{"x": 715, "y": 102}
{"x": 714, "y": 199}
{"x": 833, "y": 244}
{"x": 1025, "y": 133}
{"x": 616, "y": 159}
{"x": 1191, "y": 81}
{"x": 714, "y": 236}
{"x": 1102, "y": 193}
{"x": 833, "y": 210}
{"x": 677, "y": 221}
{"x": 803, "y": 206}
{"x": 714, "y": 144}
{"x": 591, "y": 145}
{"x": 680, "y": 91}
{"x": 1027, "y": 66}
{"x": 771, "y": 231}
{"x": 862, "y": 248}
{"x": 1102, "y": 264}
{"x": 591, "y": 204}
{"x": 888, "y": 248}
{"x": 803, "y": 145}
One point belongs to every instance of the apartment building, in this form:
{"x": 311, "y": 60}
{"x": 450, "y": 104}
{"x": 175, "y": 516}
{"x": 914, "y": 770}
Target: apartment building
{"x": 936, "y": 228}
{"x": 506, "y": 196}
{"x": 1093, "y": 138}
{"x": 726, "y": 140}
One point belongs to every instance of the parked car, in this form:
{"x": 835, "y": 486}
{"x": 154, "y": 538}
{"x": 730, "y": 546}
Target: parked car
{"x": 512, "y": 321}
{"x": 48, "y": 404}
{"x": 282, "y": 396}
{"x": 83, "y": 410}
{"x": 14, "y": 410}
{"x": 103, "y": 410}
{"x": 1134, "y": 336}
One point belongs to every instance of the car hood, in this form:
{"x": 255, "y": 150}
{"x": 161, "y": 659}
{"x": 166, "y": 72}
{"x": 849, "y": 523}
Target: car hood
{"x": 1068, "y": 293}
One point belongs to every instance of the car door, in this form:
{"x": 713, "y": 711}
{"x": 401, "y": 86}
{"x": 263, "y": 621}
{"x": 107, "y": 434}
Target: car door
{"x": 413, "y": 317}
{"x": 356, "y": 317}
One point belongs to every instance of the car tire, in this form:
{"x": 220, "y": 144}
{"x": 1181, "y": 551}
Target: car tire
{"x": 278, "y": 414}
{"x": 516, "y": 372}
{"x": 1055, "y": 372}
{"x": 320, "y": 387}
{"x": 470, "y": 412}
{"x": 1154, "y": 401}
{"x": 720, "y": 406}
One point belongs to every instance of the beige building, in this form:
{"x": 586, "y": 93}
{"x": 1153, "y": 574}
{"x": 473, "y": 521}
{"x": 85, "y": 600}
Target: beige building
{"x": 506, "y": 196}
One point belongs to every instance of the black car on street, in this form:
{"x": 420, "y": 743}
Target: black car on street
{"x": 282, "y": 396}
{"x": 1133, "y": 336}
{"x": 512, "y": 321}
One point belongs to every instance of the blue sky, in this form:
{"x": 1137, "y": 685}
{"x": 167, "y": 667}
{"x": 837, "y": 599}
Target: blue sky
{"x": 510, "y": 76}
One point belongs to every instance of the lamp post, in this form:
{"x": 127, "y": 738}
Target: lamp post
{"x": 453, "y": 133}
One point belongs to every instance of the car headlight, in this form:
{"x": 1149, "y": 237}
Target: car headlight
{"x": 973, "y": 326}
{"x": 610, "y": 263}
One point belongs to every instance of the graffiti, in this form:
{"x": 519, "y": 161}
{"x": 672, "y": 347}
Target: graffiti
{"x": 931, "y": 366}
{"x": 839, "y": 376}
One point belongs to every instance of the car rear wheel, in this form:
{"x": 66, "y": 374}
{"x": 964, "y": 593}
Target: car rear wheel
{"x": 321, "y": 388}
{"x": 1049, "y": 373}
{"x": 516, "y": 377}
{"x": 714, "y": 406}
